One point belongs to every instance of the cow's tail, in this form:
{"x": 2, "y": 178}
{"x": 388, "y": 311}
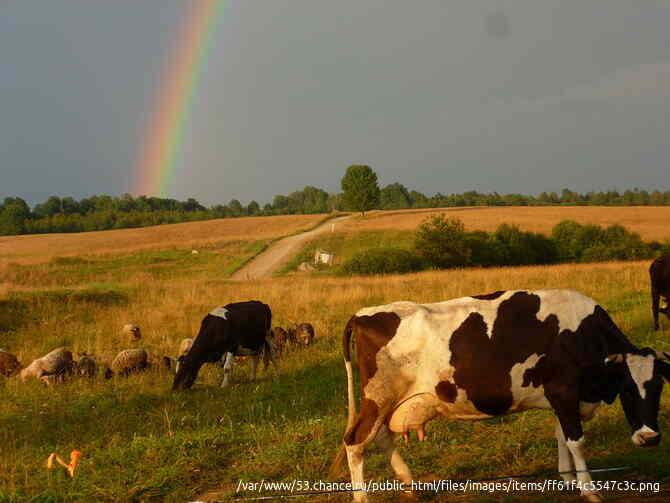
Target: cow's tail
{"x": 351, "y": 401}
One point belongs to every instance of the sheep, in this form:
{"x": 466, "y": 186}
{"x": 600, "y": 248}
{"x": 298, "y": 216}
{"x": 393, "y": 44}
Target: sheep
{"x": 160, "y": 363}
{"x": 52, "y": 366}
{"x": 86, "y": 366}
{"x": 184, "y": 347}
{"x": 301, "y": 334}
{"x": 133, "y": 331}
{"x": 127, "y": 362}
{"x": 279, "y": 338}
{"x": 9, "y": 364}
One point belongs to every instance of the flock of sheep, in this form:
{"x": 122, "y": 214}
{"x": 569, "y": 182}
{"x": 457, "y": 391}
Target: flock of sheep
{"x": 58, "y": 364}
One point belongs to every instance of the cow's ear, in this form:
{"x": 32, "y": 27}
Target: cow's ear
{"x": 614, "y": 359}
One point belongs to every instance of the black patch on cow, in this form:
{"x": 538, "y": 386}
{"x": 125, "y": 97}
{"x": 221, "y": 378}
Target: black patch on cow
{"x": 446, "y": 391}
{"x": 372, "y": 334}
{"x": 482, "y": 364}
{"x": 489, "y": 296}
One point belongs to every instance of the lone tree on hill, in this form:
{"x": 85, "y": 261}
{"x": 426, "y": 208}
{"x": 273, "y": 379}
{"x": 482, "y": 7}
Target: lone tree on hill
{"x": 360, "y": 188}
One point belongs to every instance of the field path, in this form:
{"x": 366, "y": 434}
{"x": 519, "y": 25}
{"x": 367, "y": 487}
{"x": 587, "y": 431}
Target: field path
{"x": 268, "y": 262}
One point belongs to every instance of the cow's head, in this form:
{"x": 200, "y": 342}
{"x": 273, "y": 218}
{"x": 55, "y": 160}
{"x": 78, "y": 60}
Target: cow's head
{"x": 641, "y": 381}
{"x": 186, "y": 373}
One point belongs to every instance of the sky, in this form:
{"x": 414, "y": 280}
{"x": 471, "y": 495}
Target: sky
{"x": 439, "y": 95}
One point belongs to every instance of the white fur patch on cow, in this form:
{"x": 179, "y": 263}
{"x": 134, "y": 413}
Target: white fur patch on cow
{"x": 402, "y": 308}
{"x": 528, "y": 397}
{"x": 663, "y": 304}
{"x": 220, "y": 312}
{"x": 641, "y": 370}
{"x": 570, "y": 307}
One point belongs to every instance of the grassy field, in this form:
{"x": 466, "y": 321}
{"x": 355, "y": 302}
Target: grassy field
{"x": 210, "y": 234}
{"x": 142, "y": 443}
{"x": 397, "y": 228}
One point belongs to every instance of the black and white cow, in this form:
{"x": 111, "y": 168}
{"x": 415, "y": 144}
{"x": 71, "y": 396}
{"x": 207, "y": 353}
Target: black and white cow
{"x": 241, "y": 328}
{"x": 659, "y": 274}
{"x": 484, "y": 356}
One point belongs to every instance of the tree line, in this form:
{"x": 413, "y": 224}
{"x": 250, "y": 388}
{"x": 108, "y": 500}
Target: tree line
{"x": 360, "y": 192}
{"x": 444, "y": 243}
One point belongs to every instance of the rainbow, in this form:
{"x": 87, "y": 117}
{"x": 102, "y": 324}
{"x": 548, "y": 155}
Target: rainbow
{"x": 159, "y": 151}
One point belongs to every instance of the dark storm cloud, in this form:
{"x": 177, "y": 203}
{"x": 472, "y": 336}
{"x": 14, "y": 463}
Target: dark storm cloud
{"x": 519, "y": 96}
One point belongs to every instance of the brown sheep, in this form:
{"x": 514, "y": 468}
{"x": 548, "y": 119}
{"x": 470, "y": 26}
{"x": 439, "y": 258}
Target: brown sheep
{"x": 52, "y": 366}
{"x": 9, "y": 364}
{"x": 86, "y": 366}
{"x": 127, "y": 362}
{"x": 160, "y": 363}
{"x": 279, "y": 338}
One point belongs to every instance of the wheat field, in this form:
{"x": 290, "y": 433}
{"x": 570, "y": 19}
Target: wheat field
{"x": 38, "y": 247}
{"x": 651, "y": 222}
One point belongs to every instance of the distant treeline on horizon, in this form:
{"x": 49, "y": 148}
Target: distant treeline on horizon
{"x": 103, "y": 212}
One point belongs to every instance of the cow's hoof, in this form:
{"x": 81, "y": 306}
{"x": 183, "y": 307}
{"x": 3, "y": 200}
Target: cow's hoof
{"x": 593, "y": 497}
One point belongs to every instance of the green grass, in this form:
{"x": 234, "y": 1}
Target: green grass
{"x": 346, "y": 244}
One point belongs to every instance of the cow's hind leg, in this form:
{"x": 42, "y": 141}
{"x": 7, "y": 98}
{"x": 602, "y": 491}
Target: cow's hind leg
{"x": 364, "y": 431}
{"x": 254, "y": 365}
{"x": 400, "y": 468}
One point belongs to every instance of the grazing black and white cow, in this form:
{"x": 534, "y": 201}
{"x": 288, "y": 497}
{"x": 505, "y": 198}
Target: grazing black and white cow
{"x": 241, "y": 328}
{"x": 484, "y": 356}
{"x": 659, "y": 273}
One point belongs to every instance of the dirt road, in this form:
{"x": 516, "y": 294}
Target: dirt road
{"x": 268, "y": 262}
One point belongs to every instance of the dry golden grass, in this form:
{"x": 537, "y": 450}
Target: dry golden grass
{"x": 651, "y": 222}
{"x": 37, "y": 248}
{"x": 169, "y": 311}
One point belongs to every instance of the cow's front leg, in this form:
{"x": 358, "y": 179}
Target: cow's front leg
{"x": 271, "y": 354}
{"x": 565, "y": 465}
{"x": 227, "y": 369}
{"x": 571, "y": 425}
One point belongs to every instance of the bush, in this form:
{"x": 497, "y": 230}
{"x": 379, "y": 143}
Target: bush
{"x": 523, "y": 248}
{"x": 442, "y": 242}
{"x": 592, "y": 243}
{"x": 382, "y": 261}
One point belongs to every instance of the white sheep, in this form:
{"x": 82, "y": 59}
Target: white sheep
{"x": 52, "y": 366}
